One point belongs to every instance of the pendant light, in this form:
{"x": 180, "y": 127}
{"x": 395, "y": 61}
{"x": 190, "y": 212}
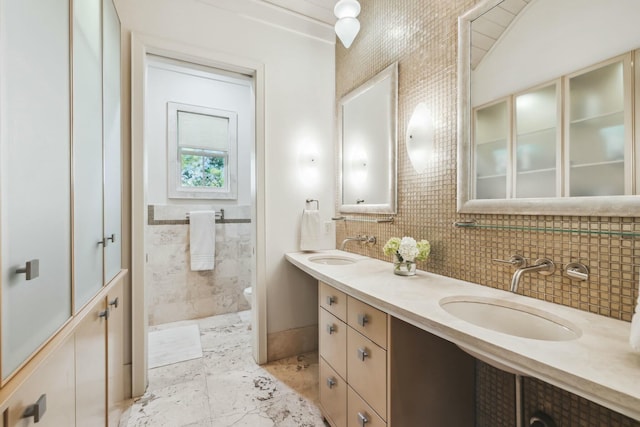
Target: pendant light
{"x": 347, "y": 26}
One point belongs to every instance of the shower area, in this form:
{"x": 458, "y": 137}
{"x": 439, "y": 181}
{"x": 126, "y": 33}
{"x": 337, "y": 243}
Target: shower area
{"x": 199, "y": 134}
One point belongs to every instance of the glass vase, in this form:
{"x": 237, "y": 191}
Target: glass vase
{"x": 403, "y": 268}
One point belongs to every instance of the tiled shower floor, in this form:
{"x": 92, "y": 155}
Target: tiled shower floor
{"x": 225, "y": 387}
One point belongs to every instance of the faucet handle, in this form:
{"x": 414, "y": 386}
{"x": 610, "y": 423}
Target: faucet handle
{"x": 515, "y": 260}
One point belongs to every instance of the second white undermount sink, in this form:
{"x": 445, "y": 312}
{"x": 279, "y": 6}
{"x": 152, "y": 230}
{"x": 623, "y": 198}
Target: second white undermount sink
{"x": 332, "y": 260}
{"x": 511, "y": 318}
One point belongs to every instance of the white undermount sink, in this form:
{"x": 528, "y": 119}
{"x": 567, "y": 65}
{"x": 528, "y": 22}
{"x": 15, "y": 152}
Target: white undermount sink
{"x": 510, "y": 318}
{"x": 332, "y": 260}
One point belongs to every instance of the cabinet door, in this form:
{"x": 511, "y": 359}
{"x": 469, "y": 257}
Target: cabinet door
{"x": 492, "y": 150}
{"x": 35, "y": 174}
{"x": 87, "y": 147}
{"x": 599, "y": 148}
{"x": 55, "y": 381}
{"x": 112, "y": 140}
{"x": 115, "y": 353}
{"x": 91, "y": 367}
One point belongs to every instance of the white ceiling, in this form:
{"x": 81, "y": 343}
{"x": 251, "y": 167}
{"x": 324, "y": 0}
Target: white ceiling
{"x": 320, "y": 10}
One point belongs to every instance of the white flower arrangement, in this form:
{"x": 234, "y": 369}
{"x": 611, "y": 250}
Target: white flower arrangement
{"x": 407, "y": 249}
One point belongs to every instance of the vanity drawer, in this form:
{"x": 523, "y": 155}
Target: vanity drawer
{"x": 333, "y": 396}
{"x": 333, "y": 341}
{"x": 359, "y": 414}
{"x": 367, "y": 370}
{"x": 333, "y": 300}
{"x": 367, "y": 320}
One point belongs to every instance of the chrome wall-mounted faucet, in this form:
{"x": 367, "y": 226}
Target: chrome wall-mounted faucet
{"x": 358, "y": 238}
{"x": 543, "y": 266}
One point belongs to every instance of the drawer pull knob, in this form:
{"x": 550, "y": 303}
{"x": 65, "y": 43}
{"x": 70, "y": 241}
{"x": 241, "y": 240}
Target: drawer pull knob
{"x": 331, "y": 300}
{"x": 36, "y": 410}
{"x": 362, "y": 320}
{"x": 363, "y": 354}
{"x": 331, "y": 382}
{"x": 31, "y": 269}
{"x": 331, "y": 329}
{"x": 362, "y": 419}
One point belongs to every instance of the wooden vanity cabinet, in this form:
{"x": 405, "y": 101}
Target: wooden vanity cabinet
{"x": 396, "y": 374}
{"x": 353, "y": 360}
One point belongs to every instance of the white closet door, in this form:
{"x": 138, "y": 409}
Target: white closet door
{"x": 87, "y": 146}
{"x": 35, "y": 173}
{"x": 112, "y": 141}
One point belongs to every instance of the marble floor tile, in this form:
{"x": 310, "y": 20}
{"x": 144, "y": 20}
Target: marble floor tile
{"x": 226, "y": 388}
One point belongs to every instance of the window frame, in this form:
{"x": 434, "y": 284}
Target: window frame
{"x": 175, "y": 189}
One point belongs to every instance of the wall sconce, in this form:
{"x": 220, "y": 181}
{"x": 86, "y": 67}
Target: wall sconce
{"x": 419, "y": 138}
{"x": 348, "y": 26}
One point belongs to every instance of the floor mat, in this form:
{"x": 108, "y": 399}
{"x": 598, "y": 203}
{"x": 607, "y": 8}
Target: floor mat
{"x": 168, "y": 346}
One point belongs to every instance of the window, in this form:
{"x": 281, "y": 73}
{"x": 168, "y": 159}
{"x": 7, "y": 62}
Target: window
{"x": 202, "y": 152}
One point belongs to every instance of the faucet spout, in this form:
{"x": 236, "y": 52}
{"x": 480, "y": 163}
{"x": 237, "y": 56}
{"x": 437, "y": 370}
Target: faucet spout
{"x": 368, "y": 239}
{"x": 543, "y": 266}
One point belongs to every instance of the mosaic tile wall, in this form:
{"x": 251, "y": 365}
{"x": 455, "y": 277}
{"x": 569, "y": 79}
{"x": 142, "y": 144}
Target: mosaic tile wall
{"x": 177, "y": 293}
{"x": 422, "y": 36}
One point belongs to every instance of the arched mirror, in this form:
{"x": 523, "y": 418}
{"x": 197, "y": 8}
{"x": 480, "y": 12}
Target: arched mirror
{"x": 547, "y": 108}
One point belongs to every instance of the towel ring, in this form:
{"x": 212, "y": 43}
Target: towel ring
{"x": 316, "y": 202}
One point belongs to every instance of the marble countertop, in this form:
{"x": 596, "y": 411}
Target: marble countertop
{"x": 599, "y": 365}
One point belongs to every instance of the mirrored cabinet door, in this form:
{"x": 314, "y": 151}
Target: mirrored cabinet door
{"x": 537, "y": 118}
{"x": 491, "y": 131}
{"x": 35, "y": 176}
{"x": 599, "y": 106}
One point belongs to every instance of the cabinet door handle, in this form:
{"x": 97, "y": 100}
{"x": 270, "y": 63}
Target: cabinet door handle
{"x": 331, "y": 329}
{"x": 362, "y": 320}
{"x": 331, "y": 300}
{"x": 103, "y": 242}
{"x": 112, "y": 238}
{"x": 104, "y": 313}
{"x": 36, "y": 410}
{"x": 362, "y": 419}
{"x": 31, "y": 269}
{"x": 363, "y": 354}
{"x": 331, "y": 382}
{"x": 114, "y": 303}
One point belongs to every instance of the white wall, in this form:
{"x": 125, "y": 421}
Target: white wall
{"x": 298, "y": 58}
{"x": 170, "y": 82}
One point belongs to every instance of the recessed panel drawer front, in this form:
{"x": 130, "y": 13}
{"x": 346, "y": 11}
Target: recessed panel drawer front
{"x": 333, "y": 342}
{"x": 367, "y": 320}
{"x": 359, "y": 414}
{"x": 333, "y": 300}
{"x": 333, "y": 396}
{"x": 367, "y": 370}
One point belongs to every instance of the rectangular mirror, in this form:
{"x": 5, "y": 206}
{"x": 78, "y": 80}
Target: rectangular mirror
{"x": 547, "y": 109}
{"x": 368, "y": 141}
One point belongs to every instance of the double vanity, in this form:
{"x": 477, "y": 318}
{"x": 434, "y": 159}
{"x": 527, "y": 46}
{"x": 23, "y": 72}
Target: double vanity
{"x": 429, "y": 318}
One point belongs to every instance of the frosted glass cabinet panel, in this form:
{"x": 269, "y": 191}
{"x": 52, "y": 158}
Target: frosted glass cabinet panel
{"x": 536, "y": 140}
{"x": 87, "y": 143}
{"x": 492, "y": 150}
{"x": 112, "y": 129}
{"x": 35, "y": 175}
{"x": 598, "y": 131}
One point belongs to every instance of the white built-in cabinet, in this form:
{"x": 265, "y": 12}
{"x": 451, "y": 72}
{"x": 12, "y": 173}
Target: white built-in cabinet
{"x": 62, "y": 323}
{"x": 570, "y": 137}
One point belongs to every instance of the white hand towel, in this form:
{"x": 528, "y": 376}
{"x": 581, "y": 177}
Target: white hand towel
{"x": 202, "y": 239}
{"x": 311, "y": 238}
{"x": 634, "y": 338}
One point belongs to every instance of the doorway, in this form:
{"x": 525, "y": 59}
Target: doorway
{"x": 178, "y": 70}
